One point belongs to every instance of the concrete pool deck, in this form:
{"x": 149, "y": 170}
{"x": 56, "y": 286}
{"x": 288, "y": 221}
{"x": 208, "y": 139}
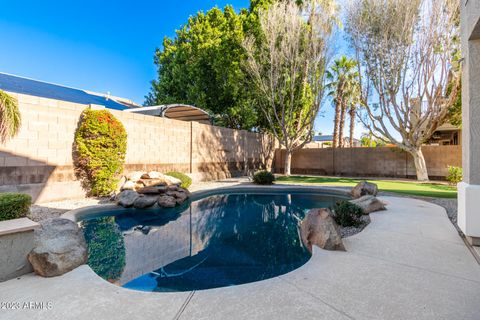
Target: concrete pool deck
{"x": 409, "y": 263}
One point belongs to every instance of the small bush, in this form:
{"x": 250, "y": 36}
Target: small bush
{"x": 263, "y": 177}
{"x": 99, "y": 151}
{"x": 347, "y": 214}
{"x": 186, "y": 180}
{"x": 14, "y": 205}
{"x": 455, "y": 175}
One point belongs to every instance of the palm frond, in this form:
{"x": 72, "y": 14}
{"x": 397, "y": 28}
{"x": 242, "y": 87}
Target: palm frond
{"x": 10, "y": 120}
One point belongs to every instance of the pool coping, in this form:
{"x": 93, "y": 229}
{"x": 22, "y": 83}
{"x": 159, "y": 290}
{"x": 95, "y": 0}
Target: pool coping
{"x": 80, "y": 214}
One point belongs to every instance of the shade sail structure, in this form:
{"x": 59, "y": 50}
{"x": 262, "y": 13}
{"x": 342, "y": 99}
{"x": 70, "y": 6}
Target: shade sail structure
{"x": 181, "y": 112}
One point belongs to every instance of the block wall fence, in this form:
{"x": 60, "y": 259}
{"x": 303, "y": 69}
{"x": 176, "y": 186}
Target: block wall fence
{"x": 370, "y": 162}
{"x": 38, "y": 161}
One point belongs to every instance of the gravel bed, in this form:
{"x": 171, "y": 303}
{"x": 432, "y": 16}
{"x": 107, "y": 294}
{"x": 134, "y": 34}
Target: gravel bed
{"x": 39, "y": 212}
{"x": 350, "y": 231}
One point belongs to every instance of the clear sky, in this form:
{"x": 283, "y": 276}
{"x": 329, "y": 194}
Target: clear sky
{"x": 102, "y": 46}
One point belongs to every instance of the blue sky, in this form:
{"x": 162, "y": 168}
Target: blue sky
{"x": 103, "y": 46}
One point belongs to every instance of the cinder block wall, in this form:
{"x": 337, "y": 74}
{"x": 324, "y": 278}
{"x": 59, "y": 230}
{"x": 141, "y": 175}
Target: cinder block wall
{"x": 370, "y": 162}
{"x": 38, "y": 160}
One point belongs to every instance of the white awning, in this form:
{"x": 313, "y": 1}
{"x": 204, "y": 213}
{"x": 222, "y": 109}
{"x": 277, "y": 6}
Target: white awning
{"x": 181, "y": 112}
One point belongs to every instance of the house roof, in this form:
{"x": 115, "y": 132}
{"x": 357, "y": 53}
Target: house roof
{"x": 323, "y": 138}
{"x": 328, "y": 138}
{"x": 21, "y": 85}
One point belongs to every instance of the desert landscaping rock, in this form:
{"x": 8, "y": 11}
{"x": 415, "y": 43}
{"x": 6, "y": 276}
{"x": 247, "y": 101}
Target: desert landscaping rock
{"x": 152, "y": 190}
{"x": 318, "y": 228}
{"x": 128, "y": 185}
{"x": 167, "y": 201}
{"x": 143, "y": 202}
{"x": 135, "y": 176}
{"x": 179, "y": 196}
{"x": 369, "y": 204}
{"x": 152, "y": 175}
{"x": 364, "y": 188}
{"x": 59, "y": 248}
{"x": 153, "y": 182}
{"x": 127, "y": 198}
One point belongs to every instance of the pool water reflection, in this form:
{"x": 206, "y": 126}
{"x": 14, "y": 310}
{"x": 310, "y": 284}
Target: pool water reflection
{"x": 218, "y": 241}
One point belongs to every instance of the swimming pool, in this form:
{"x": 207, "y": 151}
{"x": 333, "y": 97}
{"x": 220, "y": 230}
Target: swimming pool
{"x": 213, "y": 241}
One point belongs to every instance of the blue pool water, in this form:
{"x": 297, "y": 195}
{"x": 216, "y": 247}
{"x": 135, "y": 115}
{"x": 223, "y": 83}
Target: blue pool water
{"x": 217, "y": 241}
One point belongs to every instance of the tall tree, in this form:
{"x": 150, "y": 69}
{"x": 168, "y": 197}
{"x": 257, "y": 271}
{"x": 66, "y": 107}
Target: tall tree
{"x": 343, "y": 87}
{"x": 202, "y": 65}
{"x": 405, "y": 49}
{"x": 10, "y": 119}
{"x": 288, "y": 65}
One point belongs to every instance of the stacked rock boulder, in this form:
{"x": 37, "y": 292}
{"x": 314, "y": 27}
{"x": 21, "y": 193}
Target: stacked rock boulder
{"x": 147, "y": 189}
{"x": 364, "y": 195}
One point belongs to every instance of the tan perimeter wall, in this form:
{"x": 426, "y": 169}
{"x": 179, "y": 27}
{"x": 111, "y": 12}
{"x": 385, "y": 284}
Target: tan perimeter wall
{"x": 38, "y": 160}
{"x": 370, "y": 162}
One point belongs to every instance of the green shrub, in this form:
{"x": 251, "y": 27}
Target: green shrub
{"x": 347, "y": 214}
{"x": 186, "y": 180}
{"x": 14, "y": 205}
{"x": 455, "y": 175}
{"x": 99, "y": 151}
{"x": 263, "y": 177}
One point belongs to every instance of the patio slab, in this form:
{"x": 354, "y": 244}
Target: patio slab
{"x": 409, "y": 263}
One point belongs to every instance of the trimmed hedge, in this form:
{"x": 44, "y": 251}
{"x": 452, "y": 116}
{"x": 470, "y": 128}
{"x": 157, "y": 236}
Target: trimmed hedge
{"x": 99, "y": 151}
{"x": 14, "y": 205}
{"x": 186, "y": 180}
{"x": 263, "y": 177}
{"x": 347, "y": 214}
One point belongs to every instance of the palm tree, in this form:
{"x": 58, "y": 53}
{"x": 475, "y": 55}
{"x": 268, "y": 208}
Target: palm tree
{"x": 9, "y": 117}
{"x": 343, "y": 87}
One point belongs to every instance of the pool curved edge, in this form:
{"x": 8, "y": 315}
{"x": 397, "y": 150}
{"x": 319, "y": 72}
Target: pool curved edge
{"x": 79, "y": 214}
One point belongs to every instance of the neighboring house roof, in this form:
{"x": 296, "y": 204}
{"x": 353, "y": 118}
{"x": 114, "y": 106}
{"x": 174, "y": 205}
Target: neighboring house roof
{"x": 323, "y": 138}
{"x": 21, "y": 85}
{"x": 328, "y": 138}
{"x": 176, "y": 111}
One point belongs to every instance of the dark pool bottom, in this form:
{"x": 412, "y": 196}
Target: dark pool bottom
{"x": 221, "y": 240}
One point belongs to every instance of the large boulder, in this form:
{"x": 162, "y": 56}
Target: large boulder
{"x": 59, "y": 247}
{"x": 369, "y": 204}
{"x": 167, "y": 201}
{"x": 126, "y": 198}
{"x": 318, "y": 228}
{"x": 364, "y": 188}
{"x": 143, "y": 202}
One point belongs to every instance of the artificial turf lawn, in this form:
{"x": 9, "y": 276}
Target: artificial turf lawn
{"x": 414, "y": 188}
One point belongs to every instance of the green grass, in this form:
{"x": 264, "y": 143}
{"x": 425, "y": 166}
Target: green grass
{"x": 413, "y": 188}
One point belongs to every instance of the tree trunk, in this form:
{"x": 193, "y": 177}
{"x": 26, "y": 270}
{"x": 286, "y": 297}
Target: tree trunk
{"x": 352, "y": 123}
{"x": 420, "y": 165}
{"x": 341, "y": 126}
{"x": 287, "y": 163}
{"x": 336, "y": 124}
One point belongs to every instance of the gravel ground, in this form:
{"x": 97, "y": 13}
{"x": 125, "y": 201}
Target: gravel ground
{"x": 39, "y": 212}
{"x": 350, "y": 231}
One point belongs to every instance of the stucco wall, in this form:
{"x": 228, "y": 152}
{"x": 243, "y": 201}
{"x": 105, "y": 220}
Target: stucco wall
{"x": 38, "y": 160}
{"x": 370, "y": 162}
